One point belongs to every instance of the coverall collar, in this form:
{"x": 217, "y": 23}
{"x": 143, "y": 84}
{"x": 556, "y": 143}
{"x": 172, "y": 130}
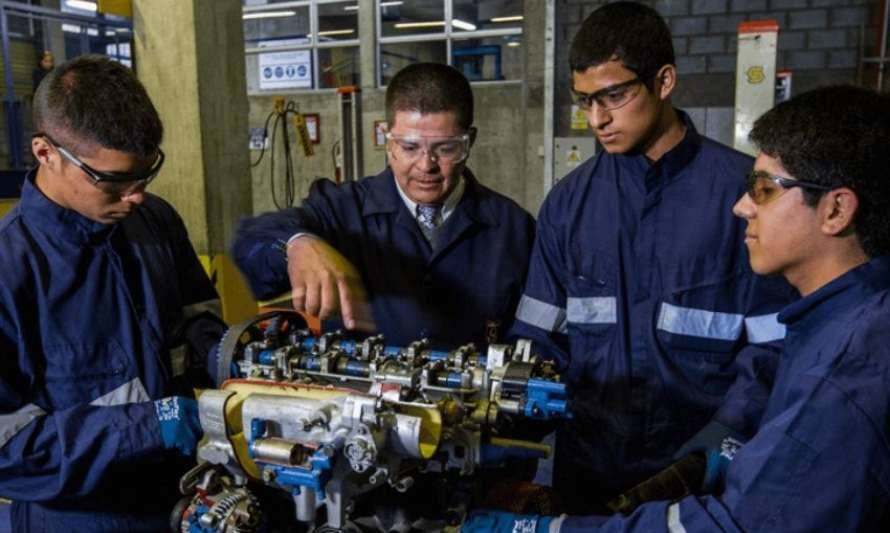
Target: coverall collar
{"x": 383, "y": 197}
{"x": 48, "y": 216}
{"x": 672, "y": 162}
{"x": 845, "y": 291}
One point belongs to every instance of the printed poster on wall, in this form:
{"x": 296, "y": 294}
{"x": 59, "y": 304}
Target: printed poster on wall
{"x": 285, "y": 70}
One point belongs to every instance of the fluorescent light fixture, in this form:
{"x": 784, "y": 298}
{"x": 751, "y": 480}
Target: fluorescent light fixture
{"x": 514, "y": 18}
{"x": 433, "y": 24}
{"x": 393, "y": 3}
{"x": 335, "y": 32}
{"x": 513, "y": 43}
{"x": 460, "y": 24}
{"x": 268, "y": 14}
{"x": 81, "y": 4}
{"x": 351, "y": 8}
{"x": 73, "y": 28}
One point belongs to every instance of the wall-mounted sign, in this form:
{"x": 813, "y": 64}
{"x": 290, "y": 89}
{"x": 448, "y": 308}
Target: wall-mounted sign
{"x": 312, "y": 126}
{"x": 380, "y": 127}
{"x": 285, "y": 70}
{"x": 579, "y": 118}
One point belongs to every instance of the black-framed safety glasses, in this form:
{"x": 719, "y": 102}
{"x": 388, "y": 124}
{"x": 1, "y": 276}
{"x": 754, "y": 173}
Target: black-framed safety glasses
{"x": 609, "y": 98}
{"x": 119, "y": 181}
{"x": 764, "y": 187}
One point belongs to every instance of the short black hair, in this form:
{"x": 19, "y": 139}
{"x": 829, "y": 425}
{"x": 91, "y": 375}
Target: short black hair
{"x": 836, "y": 136}
{"x": 630, "y": 32}
{"x": 92, "y": 100}
{"x": 430, "y": 88}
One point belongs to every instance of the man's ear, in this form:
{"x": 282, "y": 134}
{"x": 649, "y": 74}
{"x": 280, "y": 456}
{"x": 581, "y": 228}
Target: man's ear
{"x": 42, "y": 150}
{"x": 838, "y": 211}
{"x": 666, "y": 81}
{"x": 472, "y": 133}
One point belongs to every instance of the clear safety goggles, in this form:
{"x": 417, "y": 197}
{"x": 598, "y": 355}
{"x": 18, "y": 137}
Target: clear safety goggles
{"x": 449, "y": 150}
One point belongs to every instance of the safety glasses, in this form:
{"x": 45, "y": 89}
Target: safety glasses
{"x": 449, "y": 150}
{"x": 764, "y": 187}
{"x": 111, "y": 182}
{"x": 609, "y": 98}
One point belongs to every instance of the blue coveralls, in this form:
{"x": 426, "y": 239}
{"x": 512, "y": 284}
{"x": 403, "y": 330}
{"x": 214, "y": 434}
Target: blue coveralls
{"x": 451, "y": 294}
{"x": 639, "y": 287}
{"x": 87, "y": 315}
{"x": 820, "y": 460}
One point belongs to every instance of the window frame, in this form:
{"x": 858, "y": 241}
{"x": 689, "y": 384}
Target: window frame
{"x": 449, "y": 36}
{"x": 313, "y": 45}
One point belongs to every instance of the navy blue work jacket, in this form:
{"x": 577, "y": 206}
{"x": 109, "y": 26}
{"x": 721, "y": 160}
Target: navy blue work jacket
{"x": 448, "y": 294}
{"x": 87, "y": 315}
{"x": 639, "y": 286}
{"x": 820, "y": 460}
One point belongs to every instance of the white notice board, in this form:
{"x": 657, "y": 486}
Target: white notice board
{"x": 285, "y": 70}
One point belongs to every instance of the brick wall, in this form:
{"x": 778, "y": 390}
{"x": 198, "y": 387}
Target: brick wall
{"x": 819, "y": 40}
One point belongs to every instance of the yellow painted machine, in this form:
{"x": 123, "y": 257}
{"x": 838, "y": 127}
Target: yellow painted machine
{"x": 330, "y": 422}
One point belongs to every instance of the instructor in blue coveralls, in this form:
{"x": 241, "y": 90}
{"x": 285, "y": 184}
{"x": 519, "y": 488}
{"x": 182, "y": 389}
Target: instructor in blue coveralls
{"x": 422, "y": 250}
{"x": 639, "y": 284}
{"x": 818, "y": 212}
{"x": 102, "y": 302}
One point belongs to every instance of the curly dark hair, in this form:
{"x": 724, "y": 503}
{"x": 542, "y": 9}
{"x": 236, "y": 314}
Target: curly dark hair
{"x": 633, "y": 33}
{"x": 430, "y": 88}
{"x": 836, "y": 136}
{"x": 92, "y": 100}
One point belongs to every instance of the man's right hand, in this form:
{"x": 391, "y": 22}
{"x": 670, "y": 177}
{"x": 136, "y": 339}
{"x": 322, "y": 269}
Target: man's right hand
{"x": 323, "y": 282}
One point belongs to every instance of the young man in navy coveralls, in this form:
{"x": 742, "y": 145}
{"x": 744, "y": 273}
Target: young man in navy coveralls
{"x": 102, "y": 298}
{"x": 817, "y": 211}
{"x": 639, "y": 284}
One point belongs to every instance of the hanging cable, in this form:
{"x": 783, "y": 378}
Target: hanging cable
{"x": 280, "y": 114}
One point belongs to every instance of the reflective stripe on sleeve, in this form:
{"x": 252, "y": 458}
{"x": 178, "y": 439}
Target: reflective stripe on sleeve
{"x": 700, "y": 322}
{"x": 213, "y": 306}
{"x": 593, "y": 310}
{"x": 541, "y": 314}
{"x": 130, "y": 392}
{"x": 764, "y": 328}
{"x": 14, "y": 422}
{"x": 673, "y": 519}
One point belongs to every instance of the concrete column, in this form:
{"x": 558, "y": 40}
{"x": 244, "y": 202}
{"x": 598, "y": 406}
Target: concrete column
{"x": 190, "y": 56}
{"x": 367, "y": 18}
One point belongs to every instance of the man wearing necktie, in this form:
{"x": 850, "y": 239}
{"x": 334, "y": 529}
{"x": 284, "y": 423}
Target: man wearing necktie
{"x": 422, "y": 250}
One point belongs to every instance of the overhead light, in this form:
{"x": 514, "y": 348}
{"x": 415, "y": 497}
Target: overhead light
{"x": 81, "y": 4}
{"x": 335, "y": 32}
{"x": 268, "y": 14}
{"x": 351, "y": 8}
{"x": 393, "y": 3}
{"x": 514, "y": 18}
{"x": 513, "y": 43}
{"x": 73, "y": 28}
{"x": 458, "y": 23}
{"x": 432, "y": 24}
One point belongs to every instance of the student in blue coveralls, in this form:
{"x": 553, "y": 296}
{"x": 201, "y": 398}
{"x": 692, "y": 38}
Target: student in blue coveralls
{"x": 439, "y": 255}
{"x": 639, "y": 285}
{"x": 817, "y": 212}
{"x": 100, "y": 290}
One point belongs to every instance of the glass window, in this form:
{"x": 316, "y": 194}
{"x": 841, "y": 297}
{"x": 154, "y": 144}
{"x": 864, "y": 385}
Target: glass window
{"x": 488, "y": 59}
{"x": 337, "y": 22}
{"x": 482, "y": 38}
{"x": 473, "y": 15}
{"x": 338, "y": 66}
{"x": 396, "y": 56}
{"x": 411, "y": 17}
{"x": 309, "y": 44}
{"x": 280, "y": 24}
